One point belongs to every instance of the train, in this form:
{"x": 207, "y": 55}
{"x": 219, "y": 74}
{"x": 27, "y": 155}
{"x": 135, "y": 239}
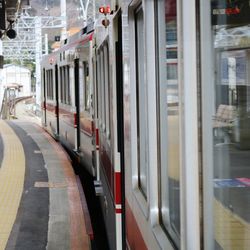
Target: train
{"x": 153, "y": 100}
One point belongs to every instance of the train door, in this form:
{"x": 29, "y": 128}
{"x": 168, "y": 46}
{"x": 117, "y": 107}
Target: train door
{"x": 57, "y": 100}
{"x": 44, "y": 99}
{"x": 77, "y": 106}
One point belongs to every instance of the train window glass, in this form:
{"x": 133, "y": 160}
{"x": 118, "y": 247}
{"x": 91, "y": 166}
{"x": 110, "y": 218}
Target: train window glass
{"x": 47, "y": 83}
{"x": 51, "y": 83}
{"x": 61, "y": 84}
{"x": 228, "y": 174}
{"x": 95, "y": 87}
{"x": 49, "y": 80}
{"x": 65, "y": 90}
{"x": 169, "y": 120}
{"x": 99, "y": 86}
{"x": 107, "y": 88}
{"x": 68, "y": 89}
{"x": 65, "y": 84}
{"x": 102, "y": 82}
{"x": 87, "y": 97}
{"x": 141, "y": 102}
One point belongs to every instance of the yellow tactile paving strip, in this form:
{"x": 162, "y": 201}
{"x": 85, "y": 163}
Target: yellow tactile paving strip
{"x": 11, "y": 181}
{"x": 231, "y": 231}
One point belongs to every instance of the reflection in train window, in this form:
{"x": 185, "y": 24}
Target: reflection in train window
{"x": 229, "y": 184}
{"x": 169, "y": 120}
{"x": 141, "y": 102}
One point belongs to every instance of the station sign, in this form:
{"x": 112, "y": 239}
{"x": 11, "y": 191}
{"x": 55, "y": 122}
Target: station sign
{"x": 2, "y": 14}
{"x": 234, "y": 12}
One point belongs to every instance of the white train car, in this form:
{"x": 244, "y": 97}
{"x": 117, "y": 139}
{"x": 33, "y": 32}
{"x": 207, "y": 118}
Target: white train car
{"x": 170, "y": 122}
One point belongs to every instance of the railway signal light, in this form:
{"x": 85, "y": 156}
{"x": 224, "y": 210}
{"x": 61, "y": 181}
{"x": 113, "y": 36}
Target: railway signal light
{"x": 105, "y": 22}
{"x": 104, "y": 10}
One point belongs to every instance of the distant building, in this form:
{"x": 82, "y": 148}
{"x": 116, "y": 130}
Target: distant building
{"x": 15, "y": 75}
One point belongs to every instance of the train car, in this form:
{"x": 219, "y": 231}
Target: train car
{"x": 169, "y": 107}
{"x": 67, "y": 94}
{"x": 186, "y": 124}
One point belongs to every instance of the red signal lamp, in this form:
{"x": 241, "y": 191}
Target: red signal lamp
{"x": 104, "y": 10}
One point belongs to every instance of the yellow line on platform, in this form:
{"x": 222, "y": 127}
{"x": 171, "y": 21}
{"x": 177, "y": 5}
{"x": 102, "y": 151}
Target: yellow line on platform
{"x": 231, "y": 231}
{"x": 11, "y": 181}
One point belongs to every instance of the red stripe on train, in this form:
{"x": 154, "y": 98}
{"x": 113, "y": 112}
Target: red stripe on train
{"x": 97, "y": 137}
{"x": 118, "y": 210}
{"x": 118, "y": 197}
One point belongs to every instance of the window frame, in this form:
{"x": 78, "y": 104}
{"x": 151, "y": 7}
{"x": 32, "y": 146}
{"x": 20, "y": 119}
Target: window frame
{"x": 50, "y": 85}
{"x": 65, "y": 88}
{"x": 141, "y": 111}
{"x": 104, "y": 88}
{"x": 163, "y": 123}
{"x": 86, "y": 86}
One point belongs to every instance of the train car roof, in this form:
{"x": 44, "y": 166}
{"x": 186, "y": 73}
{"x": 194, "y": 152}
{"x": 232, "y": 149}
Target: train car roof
{"x": 78, "y": 39}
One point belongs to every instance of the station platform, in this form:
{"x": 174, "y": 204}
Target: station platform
{"x": 41, "y": 204}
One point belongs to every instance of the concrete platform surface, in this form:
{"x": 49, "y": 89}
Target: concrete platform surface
{"x": 40, "y": 205}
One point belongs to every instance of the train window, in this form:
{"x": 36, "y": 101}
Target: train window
{"x": 103, "y": 80}
{"x": 95, "y": 87}
{"x": 107, "y": 88}
{"x": 169, "y": 119}
{"x": 68, "y": 97}
{"x": 225, "y": 40}
{"x": 87, "y": 97}
{"x": 141, "y": 102}
{"x": 65, "y": 91}
{"x": 99, "y": 87}
{"x": 61, "y": 84}
{"x": 50, "y": 88}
